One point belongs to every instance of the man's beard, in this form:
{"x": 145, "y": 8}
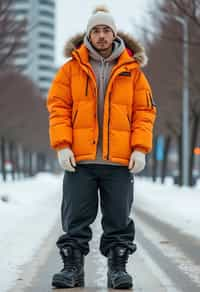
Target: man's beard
{"x": 99, "y": 48}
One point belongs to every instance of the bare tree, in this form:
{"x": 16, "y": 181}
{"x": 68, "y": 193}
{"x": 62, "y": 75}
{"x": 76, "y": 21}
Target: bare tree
{"x": 24, "y": 117}
{"x": 165, "y": 70}
{"x": 11, "y": 32}
{"x": 191, "y": 8}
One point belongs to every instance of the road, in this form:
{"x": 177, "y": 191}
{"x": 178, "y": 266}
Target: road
{"x": 166, "y": 261}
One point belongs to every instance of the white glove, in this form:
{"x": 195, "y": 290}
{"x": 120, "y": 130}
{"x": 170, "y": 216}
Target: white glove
{"x": 66, "y": 159}
{"x": 136, "y": 162}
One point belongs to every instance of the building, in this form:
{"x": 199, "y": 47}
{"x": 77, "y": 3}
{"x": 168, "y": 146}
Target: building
{"x": 36, "y": 55}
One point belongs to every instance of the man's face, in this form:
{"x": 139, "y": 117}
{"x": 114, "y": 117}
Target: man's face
{"x": 101, "y": 37}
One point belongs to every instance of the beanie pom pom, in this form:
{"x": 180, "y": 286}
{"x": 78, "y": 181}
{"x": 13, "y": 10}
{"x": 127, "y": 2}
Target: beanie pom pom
{"x": 101, "y": 8}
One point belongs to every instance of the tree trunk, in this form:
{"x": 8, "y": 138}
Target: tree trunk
{"x": 24, "y": 163}
{"x": 180, "y": 163}
{"x": 12, "y": 159}
{"x": 17, "y": 167}
{"x": 3, "y": 158}
{"x": 165, "y": 160}
{"x": 194, "y": 135}
{"x": 154, "y": 160}
{"x": 30, "y": 164}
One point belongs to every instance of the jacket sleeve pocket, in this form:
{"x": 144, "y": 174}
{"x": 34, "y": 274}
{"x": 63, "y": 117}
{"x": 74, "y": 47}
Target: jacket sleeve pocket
{"x": 144, "y": 113}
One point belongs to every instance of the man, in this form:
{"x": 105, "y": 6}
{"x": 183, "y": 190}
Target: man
{"x": 101, "y": 120}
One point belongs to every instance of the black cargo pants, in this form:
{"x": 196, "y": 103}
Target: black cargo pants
{"x": 80, "y": 206}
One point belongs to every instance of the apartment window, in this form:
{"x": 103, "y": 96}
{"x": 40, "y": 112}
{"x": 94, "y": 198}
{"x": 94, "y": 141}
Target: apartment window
{"x": 46, "y": 24}
{"x": 46, "y": 79}
{"x": 22, "y": 67}
{"x": 47, "y": 13}
{"x": 21, "y": 1}
{"x": 45, "y": 57}
{"x": 46, "y": 35}
{"x": 20, "y": 55}
{"x": 46, "y": 46}
{"x": 19, "y": 11}
{"x": 46, "y": 2}
{"x": 45, "y": 68}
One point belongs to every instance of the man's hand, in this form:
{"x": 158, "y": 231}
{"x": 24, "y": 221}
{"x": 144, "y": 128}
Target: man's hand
{"x": 136, "y": 162}
{"x": 66, "y": 159}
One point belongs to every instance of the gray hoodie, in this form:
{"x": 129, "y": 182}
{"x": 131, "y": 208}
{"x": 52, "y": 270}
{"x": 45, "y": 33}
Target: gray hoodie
{"x": 102, "y": 68}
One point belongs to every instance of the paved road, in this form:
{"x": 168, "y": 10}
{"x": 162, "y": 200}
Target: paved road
{"x": 166, "y": 261}
{"x": 177, "y": 254}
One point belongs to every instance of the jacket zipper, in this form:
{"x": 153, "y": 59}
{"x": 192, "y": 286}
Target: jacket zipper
{"x": 108, "y": 125}
{"x": 128, "y": 120}
{"x": 86, "y": 89}
{"x": 85, "y": 65}
{"x": 74, "y": 119}
{"x": 105, "y": 94}
{"x": 109, "y": 105}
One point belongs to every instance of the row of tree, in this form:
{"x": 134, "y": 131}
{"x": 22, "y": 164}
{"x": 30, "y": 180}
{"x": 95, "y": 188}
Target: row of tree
{"x": 23, "y": 114}
{"x": 165, "y": 71}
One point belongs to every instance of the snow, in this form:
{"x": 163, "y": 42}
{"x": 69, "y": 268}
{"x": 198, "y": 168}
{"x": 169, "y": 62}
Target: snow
{"x": 177, "y": 206}
{"x": 28, "y": 211}
{"x": 29, "y": 208}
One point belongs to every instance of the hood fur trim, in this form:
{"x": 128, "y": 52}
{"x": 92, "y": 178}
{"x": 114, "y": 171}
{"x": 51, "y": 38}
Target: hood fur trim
{"x": 130, "y": 43}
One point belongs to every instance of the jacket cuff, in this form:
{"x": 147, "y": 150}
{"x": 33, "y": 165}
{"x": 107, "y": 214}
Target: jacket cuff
{"x": 62, "y": 146}
{"x": 140, "y": 149}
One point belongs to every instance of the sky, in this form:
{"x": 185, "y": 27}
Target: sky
{"x": 72, "y": 17}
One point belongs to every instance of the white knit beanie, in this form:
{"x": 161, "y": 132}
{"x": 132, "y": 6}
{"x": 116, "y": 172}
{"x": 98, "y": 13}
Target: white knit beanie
{"x": 101, "y": 16}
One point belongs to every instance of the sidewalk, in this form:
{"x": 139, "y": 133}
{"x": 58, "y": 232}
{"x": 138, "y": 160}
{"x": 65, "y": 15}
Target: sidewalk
{"x": 38, "y": 279}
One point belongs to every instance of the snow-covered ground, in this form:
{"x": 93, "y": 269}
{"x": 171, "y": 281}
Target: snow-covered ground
{"x": 28, "y": 210}
{"x": 178, "y": 206}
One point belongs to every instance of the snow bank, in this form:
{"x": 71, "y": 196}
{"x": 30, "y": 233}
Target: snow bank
{"x": 178, "y": 206}
{"x": 28, "y": 210}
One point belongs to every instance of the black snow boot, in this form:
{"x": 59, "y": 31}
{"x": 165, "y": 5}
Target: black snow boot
{"x": 118, "y": 278}
{"x": 72, "y": 275}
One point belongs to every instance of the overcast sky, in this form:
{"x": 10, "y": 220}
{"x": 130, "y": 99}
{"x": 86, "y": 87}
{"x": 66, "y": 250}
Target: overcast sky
{"x": 72, "y": 17}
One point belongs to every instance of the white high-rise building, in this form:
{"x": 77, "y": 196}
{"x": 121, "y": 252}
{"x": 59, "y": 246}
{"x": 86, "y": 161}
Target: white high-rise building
{"x": 36, "y": 56}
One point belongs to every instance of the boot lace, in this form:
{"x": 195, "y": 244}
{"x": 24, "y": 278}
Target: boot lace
{"x": 118, "y": 263}
{"x": 71, "y": 263}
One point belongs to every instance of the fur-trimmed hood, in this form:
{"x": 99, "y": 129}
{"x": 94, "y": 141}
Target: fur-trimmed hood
{"x": 137, "y": 50}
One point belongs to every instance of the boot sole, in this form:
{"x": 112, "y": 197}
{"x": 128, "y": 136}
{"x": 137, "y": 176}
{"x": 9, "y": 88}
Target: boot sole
{"x": 59, "y": 282}
{"x": 122, "y": 284}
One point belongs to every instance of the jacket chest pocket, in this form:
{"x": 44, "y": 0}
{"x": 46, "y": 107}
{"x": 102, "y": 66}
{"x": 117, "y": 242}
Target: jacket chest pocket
{"x": 84, "y": 115}
{"x": 122, "y": 91}
{"x": 81, "y": 87}
{"x": 119, "y": 117}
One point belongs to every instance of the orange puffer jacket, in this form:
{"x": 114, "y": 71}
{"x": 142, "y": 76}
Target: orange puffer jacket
{"x": 129, "y": 110}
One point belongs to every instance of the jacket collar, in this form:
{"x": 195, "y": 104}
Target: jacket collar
{"x": 134, "y": 52}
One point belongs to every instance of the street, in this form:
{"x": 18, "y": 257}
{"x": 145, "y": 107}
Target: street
{"x": 166, "y": 261}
